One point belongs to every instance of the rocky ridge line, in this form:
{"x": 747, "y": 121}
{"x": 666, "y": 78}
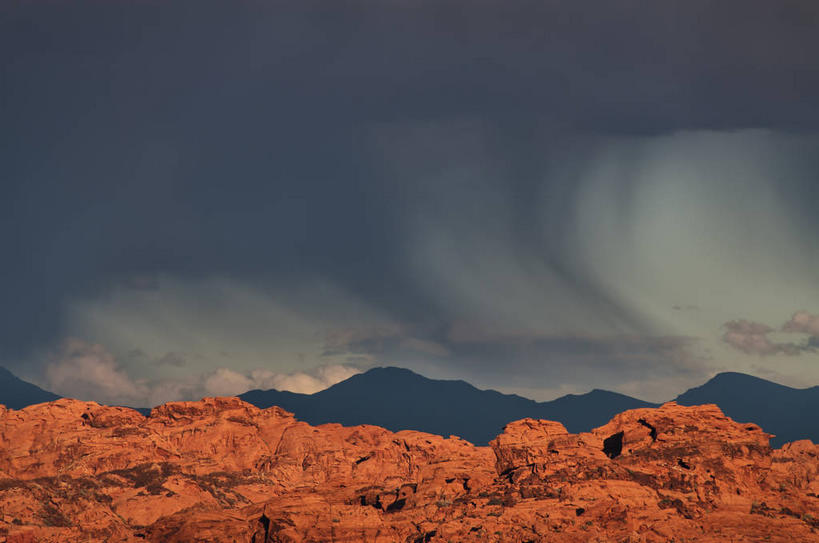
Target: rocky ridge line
{"x": 221, "y": 470}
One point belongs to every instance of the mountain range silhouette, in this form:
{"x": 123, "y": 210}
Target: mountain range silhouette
{"x": 400, "y": 399}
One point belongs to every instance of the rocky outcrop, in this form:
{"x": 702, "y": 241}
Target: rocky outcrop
{"x": 672, "y": 472}
{"x": 222, "y": 470}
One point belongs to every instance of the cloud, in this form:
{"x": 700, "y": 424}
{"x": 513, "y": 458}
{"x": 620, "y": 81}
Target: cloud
{"x": 349, "y": 342}
{"x": 229, "y": 382}
{"x": 689, "y": 307}
{"x": 225, "y": 382}
{"x": 87, "y": 371}
{"x": 471, "y": 332}
{"x": 541, "y": 363}
{"x": 751, "y": 338}
{"x": 803, "y": 322}
{"x": 303, "y": 382}
{"x": 172, "y": 359}
{"x": 424, "y": 346}
{"x": 361, "y": 338}
{"x": 138, "y": 358}
{"x": 141, "y": 282}
{"x": 661, "y": 67}
{"x": 754, "y": 337}
{"x": 646, "y": 223}
{"x": 409, "y": 162}
{"x": 203, "y": 324}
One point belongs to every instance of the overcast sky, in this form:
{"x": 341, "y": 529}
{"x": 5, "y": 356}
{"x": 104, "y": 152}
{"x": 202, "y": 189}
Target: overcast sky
{"x": 541, "y": 197}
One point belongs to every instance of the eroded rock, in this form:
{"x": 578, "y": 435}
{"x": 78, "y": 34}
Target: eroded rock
{"x": 223, "y": 470}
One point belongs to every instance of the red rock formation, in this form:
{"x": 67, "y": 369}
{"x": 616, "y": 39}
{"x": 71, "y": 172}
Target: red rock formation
{"x": 222, "y": 470}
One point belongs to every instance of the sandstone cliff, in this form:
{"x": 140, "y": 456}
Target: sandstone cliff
{"x": 221, "y": 470}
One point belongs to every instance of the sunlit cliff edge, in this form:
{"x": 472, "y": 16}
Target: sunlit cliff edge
{"x": 222, "y": 470}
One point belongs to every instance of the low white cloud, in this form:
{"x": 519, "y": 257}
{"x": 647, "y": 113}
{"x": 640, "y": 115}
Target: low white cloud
{"x": 301, "y": 382}
{"x": 87, "y": 371}
{"x": 226, "y": 382}
{"x": 211, "y": 323}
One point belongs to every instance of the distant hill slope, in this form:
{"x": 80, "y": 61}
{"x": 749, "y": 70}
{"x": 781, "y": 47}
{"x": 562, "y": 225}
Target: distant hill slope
{"x": 790, "y": 413}
{"x": 399, "y": 399}
{"x": 17, "y": 394}
{"x": 582, "y": 412}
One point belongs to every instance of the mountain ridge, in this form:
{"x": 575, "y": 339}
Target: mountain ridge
{"x": 773, "y": 406}
{"x": 399, "y": 399}
{"x": 16, "y": 393}
{"x": 407, "y": 400}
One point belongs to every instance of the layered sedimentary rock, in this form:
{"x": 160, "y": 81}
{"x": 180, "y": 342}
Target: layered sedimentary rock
{"x": 222, "y": 470}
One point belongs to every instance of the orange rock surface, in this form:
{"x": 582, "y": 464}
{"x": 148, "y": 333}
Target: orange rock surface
{"x": 221, "y": 470}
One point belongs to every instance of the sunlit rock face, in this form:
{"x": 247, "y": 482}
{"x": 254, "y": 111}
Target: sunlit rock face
{"x": 221, "y": 470}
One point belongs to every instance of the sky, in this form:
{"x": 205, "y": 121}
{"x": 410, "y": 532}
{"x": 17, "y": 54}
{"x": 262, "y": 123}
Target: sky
{"x": 540, "y": 197}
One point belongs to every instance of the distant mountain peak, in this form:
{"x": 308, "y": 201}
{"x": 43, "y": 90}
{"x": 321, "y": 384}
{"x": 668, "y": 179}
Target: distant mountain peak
{"x": 735, "y": 375}
{"x": 17, "y": 394}
{"x": 388, "y": 372}
{"x": 401, "y": 399}
{"x": 749, "y": 398}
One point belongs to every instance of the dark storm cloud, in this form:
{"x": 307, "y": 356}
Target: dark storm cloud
{"x": 236, "y": 139}
{"x": 630, "y": 66}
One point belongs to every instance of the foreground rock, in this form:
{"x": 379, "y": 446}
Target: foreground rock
{"x": 221, "y": 470}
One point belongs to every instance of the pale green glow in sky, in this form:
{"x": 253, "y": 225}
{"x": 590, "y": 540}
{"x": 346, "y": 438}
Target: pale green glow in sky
{"x": 673, "y": 236}
{"x": 700, "y": 222}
